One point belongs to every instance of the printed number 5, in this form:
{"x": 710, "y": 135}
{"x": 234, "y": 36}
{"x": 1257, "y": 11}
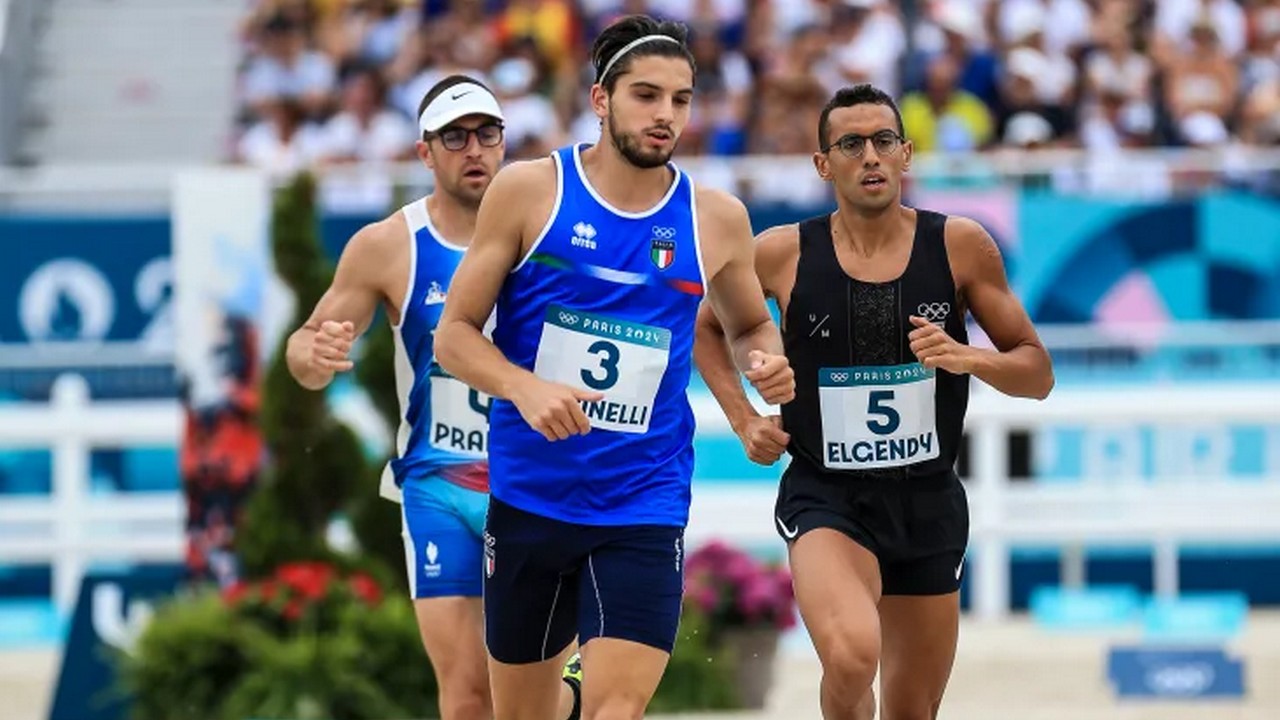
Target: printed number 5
{"x": 877, "y": 404}
{"x": 608, "y": 364}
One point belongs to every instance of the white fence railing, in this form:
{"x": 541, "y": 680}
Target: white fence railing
{"x": 1162, "y": 512}
{"x": 72, "y": 527}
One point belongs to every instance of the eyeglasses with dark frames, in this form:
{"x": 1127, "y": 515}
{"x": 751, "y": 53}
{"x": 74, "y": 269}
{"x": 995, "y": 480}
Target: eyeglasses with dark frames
{"x": 456, "y": 138}
{"x": 886, "y": 142}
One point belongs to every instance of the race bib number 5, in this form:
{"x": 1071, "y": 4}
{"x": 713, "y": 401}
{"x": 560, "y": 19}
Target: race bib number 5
{"x": 877, "y": 417}
{"x": 623, "y": 360}
{"x": 459, "y": 416}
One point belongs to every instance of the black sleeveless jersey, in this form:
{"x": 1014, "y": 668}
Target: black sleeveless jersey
{"x": 847, "y": 342}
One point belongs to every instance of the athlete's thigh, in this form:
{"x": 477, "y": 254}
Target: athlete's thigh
{"x": 530, "y": 609}
{"x": 837, "y": 586}
{"x": 632, "y": 583}
{"x": 442, "y": 553}
{"x": 452, "y": 631}
{"x": 629, "y": 614}
{"x": 531, "y": 580}
{"x": 918, "y": 649}
{"x": 619, "y": 677}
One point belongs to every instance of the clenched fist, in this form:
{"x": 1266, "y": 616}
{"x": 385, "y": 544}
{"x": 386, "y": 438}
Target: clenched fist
{"x": 763, "y": 438}
{"x": 772, "y": 377}
{"x": 934, "y": 348}
{"x": 331, "y": 346}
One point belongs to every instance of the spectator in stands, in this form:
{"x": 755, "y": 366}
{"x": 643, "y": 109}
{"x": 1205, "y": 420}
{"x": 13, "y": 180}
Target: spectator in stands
{"x": 723, "y": 80}
{"x": 866, "y": 41}
{"x": 1050, "y": 71}
{"x": 284, "y": 141}
{"x": 765, "y": 65}
{"x": 1114, "y": 122}
{"x": 367, "y": 31}
{"x": 962, "y": 36}
{"x": 552, "y": 24}
{"x": 789, "y": 95}
{"x": 1260, "y": 118}
{"x": 1115, "y": 66}
{"x": 1064, "y": 24}
{"x": 1261, "y": 63}
{"x": 366, "y": 129}
{"x": 942, "y": 117}
{"x": 1176, "y": 20}
{"x": 1201, "y": 82}
{"x": 288, "y": 68}
{"x": 433, "y": 54}
{"x": 532, "y": 127}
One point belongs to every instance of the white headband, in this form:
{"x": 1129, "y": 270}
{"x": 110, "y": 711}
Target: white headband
{"x": 632, "y": 46}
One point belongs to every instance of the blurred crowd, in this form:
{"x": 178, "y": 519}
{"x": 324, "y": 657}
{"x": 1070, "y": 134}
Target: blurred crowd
{"x": 333, "y": 81}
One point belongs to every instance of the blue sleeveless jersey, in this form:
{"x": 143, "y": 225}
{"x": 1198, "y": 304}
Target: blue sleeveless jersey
{"x": 443, "y": 423}
{"x": 606, "y": 300}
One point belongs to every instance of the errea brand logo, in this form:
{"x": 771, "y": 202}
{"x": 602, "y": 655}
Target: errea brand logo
{"x": 584, "y": 236}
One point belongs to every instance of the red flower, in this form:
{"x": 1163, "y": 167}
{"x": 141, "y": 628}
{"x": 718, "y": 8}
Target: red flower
{"x": 293, "y": 609}
{"x": 365, "y": 588}
{"x": 311, "y": 580}
{"x": 269, "y": 589}
{"x": 235, "y": 592}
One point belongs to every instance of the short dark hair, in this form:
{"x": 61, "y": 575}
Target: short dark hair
{"x": 863, "y": 94}
{"x": 629, "y": 29}
{"x": 437, "y": 89}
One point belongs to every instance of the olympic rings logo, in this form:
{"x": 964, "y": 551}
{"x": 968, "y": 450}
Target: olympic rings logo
{"x": 1189, "y": 679}
{"x": 663, "y": 233}
{"x": 839, "y": 377}
{"x": 568, "y": 318}
{"x": 934, "y": 311}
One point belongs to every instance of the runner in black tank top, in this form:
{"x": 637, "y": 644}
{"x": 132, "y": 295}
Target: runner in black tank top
{"x": 834, "y": 321}
{"x": 874, "y": 300}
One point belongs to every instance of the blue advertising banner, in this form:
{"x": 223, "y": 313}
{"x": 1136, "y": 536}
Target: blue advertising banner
{"x": 85, "y": 279}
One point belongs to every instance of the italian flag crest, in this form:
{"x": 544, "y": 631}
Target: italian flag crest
{"x": 662, "y": 252}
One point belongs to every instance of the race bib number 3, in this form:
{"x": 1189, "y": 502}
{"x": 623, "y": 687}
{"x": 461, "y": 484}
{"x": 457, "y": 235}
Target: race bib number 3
{"x": 877, "y": 417}
{"x": 623, "y": 360}
{"x": 459, "y": 416}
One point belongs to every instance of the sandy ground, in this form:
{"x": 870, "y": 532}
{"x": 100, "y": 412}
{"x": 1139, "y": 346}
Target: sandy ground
{"x": 1012, "y": 671}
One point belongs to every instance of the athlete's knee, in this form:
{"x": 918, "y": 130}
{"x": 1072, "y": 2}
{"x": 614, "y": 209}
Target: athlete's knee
{"x": 465, "y": 696}
{"x": 465, "y": 701}
{"x": 849, "y": 661}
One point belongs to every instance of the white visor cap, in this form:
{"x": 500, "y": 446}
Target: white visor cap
{"x": 458, "y": 101}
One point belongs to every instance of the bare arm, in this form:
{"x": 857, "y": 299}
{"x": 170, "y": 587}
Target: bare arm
{"x": 319, "y": 348}
{"x": 460, "y": 345}
{"x": 735, "y": 293}
{"x": 1019, "y": 365}
{"x": 711, "y": 349}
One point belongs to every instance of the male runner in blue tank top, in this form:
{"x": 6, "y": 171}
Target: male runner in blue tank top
{"x": 598, "y": 258}
{"x": 874, "y": 298}
{"x": 440, "y": 476}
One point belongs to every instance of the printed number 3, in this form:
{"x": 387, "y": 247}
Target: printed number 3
{"x": 877, "y": 404}
{"x": 608, "y": 365}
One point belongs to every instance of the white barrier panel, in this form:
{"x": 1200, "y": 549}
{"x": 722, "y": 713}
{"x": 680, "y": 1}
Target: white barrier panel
{"x": 71, "y": 527}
